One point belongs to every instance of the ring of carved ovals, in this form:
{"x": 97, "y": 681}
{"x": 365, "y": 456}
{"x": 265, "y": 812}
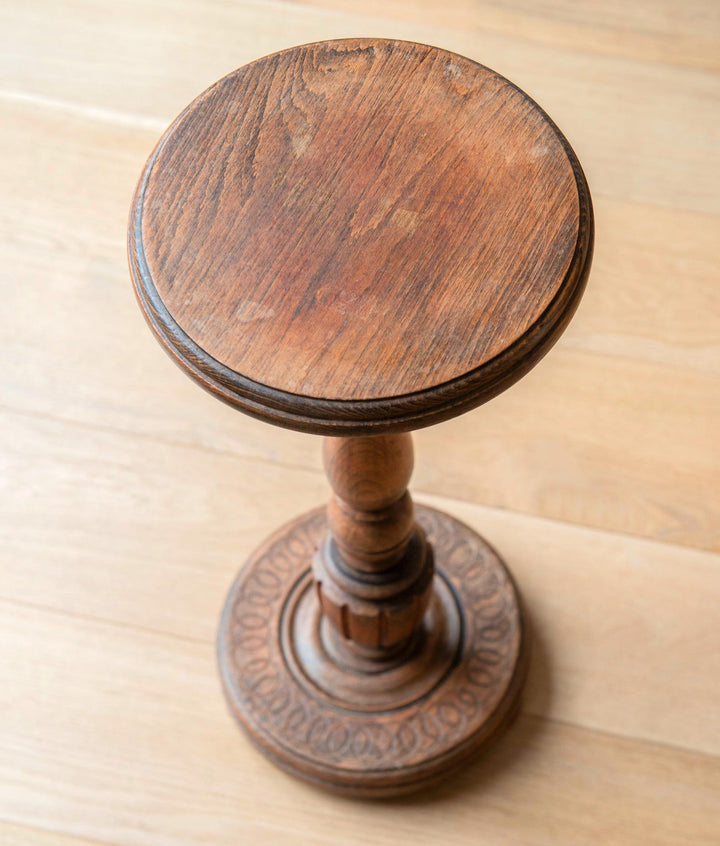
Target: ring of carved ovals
{"x": 379, "y": 752}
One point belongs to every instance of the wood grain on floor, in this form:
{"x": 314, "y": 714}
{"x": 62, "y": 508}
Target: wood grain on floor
{"x": 597, "y": 476}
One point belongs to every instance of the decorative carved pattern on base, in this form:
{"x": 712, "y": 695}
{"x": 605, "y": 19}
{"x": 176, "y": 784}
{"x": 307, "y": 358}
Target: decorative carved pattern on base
{"x": 351, "y": 746}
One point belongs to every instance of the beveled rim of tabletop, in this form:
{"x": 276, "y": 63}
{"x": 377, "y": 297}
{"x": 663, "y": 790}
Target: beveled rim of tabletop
{"x": 402, "y": 412}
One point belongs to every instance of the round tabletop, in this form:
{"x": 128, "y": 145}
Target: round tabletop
{"x": 360, "y": 236}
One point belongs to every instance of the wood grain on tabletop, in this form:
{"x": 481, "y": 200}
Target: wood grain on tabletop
{"x": 124, "y": 482}
{"x": 361, "y": 227}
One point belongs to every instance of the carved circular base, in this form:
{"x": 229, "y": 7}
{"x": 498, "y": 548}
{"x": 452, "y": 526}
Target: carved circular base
{"x": 374, "y": 731}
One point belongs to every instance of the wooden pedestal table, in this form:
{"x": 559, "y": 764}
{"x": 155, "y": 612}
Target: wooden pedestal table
{"x": 359, "y": 238}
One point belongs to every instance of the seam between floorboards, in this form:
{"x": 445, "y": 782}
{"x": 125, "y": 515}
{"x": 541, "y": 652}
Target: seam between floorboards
{"x": 157, "y": 439}
{"x": 159, "y": 125}
{"x": 508, "y": 33}
{"x": 414, "y": 489}
{"x": 117, "y": 624}
{"x": 97, "y": 114}
{"x": 41, "y": 608}
{"x": 79, "y": 838}
{"x": 630, "y": 738}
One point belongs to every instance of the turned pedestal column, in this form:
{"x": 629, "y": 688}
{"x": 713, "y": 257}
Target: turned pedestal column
{"x": 374, "y": 568}
{"x": 356, "y": 239}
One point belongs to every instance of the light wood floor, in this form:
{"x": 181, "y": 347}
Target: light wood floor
{"x": 129, "y": 497}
